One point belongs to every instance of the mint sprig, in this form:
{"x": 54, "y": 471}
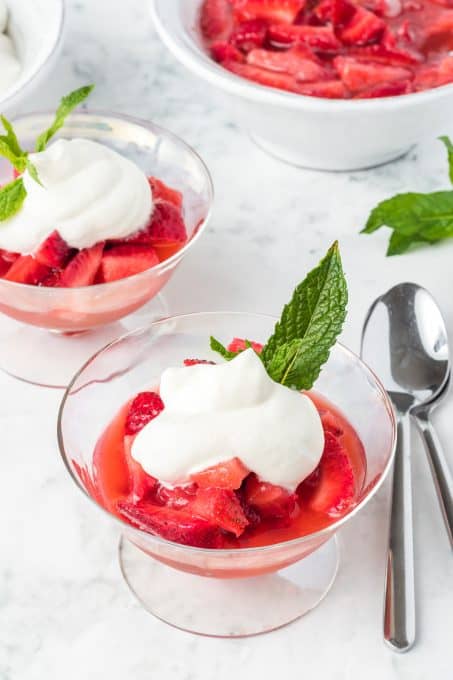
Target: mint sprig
{"x": 13, "y": 194}
{"x": 415, "y": 217}
{"x": 67, "y": 105}
{"x": 308, "y": 328}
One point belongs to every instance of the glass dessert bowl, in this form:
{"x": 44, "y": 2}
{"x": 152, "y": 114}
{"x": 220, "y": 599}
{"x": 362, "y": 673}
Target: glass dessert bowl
{"x": 82, "y": 319}
{"x": 255, "y": 589}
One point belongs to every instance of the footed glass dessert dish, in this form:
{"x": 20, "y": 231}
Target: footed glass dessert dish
{"x": 225, "y": 592}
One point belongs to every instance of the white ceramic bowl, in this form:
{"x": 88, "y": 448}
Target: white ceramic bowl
{"x": 308, "y": 131}
{"x": 35, "y": 27}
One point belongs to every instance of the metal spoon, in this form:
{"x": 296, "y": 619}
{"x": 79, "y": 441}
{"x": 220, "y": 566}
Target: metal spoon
{"x": 405, "y": 342}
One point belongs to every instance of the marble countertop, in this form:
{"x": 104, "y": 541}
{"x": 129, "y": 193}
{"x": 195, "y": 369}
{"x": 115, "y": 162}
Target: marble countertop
{"x": 64, "y": 609}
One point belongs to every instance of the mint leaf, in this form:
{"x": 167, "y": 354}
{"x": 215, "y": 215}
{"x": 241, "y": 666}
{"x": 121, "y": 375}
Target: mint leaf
{"x": 217, "y": 346}
{"x": 67, "y": 105}
{"x": 449, "y": 146}
{"x": 12, "y": 196}
{"x": 11, "y": 138}
{"x": 309, "y": 325}
{"x": 32, "y": 170}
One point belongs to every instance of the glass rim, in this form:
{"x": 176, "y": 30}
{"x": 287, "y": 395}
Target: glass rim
{"x": 158, "y": 268}
{"x": 325, "y": 532}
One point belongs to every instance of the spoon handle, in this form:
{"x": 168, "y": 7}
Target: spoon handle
{"x": 399, "y": 604}
{"x": 439, "y": 468}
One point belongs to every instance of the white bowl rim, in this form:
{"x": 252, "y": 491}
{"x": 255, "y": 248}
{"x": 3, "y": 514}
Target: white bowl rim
{"x": 208, "y": 69}
{"x": 325, "y": 531}
{"x": 38, "y": 66}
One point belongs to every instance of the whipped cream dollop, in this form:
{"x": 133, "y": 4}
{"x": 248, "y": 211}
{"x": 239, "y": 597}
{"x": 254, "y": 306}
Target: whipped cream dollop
{"x": 89, "y": 193}
{"x": 215, "y": 413}
{"x": 10, "y": 67}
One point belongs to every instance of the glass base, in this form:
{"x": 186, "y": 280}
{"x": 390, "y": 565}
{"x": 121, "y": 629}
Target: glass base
{"x": 229, "y": 607}
{"x": 50, "y": 359}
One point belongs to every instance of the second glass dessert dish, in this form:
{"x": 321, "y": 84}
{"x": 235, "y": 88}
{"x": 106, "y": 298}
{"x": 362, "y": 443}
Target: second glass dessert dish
{"x": 62, "y": 314}
{"x": 227, "y": 485}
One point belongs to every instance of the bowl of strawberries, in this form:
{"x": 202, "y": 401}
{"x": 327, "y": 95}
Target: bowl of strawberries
{"x": 325, "y": 84}
{"x": 98, "y": 210}
{"x": 229, "y": 449}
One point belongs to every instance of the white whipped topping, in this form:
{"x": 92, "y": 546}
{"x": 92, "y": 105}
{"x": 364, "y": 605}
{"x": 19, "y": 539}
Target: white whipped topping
{"x": 215, "y": 413}
{"x": 89, "y": 193}
{"x": 9, "y": 64}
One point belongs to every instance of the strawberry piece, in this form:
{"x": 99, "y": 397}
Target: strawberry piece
{"x": 126, "y": 260}
{"x": 280, "y": 81}
{"x": 195, "y": 362}
{"x": 145, "y": 407}
{"x": 54, "y": 251}
{"x": 8, "y": 256}
{"x": 141, "y": 485}
{"x": 221, "y": 507}
{"x": 363, "y": 29}
{"x": 387, "y": 56}
{"x": 82, "y": 269}
{"x": 4, "y": 266}
{"x": 292, "y": 61}
{"x": 336, "y": 12}
{"x": 330, "y": 488}
{"x": 216, "y": 19}
{"x": 239, "y": 345}
{"x": 227, "y": 475}
{"x": 162, "y": 192}
{"x": 173, "y": 525}
{"x": 321, "y": 38}
{"x": 359, "y": 76}
{"x": 386, "y": 90}
{"x": 222, "y": 51}
{"x": 177, "y": 497}
{"x": 53, "y": 279}
{"x": 284, "y": 11}
{"x": 27, "y": 270}
{"x": 330, "y": 423}
{"x": 439, "y": 35}
{"x": 328, "y": 89}
{"x": 249, "y": 34}
{"x": 166, "y": 225}
{"x": 435, "y": 75}
{"x": 271, "y": 502}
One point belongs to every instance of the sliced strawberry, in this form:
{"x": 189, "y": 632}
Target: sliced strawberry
{"x": 337, "y": 12}
{"x": 82, "y": 269}
{"x": 330, "y": 488}
{"x": 141, "y": 485}
{"x": 53, "y": 279}
{"x": 386, "y": 90}
{"x": 162, "y": 192}
{"x": 359, "y": 76}
{"x": 284, "y": 11}
{"x": 238, "y": 345}
{"x": 227, "y": 475}
{"x": 195, "y": 362}
{"x": 222, "y": 51}
{"x": 321, "y": 38}
{"x": 364, "y": 28}
{"x": 330, "y": 423}
{"x": 8, "y": 256}
{"x": 166, "y": 224}
{"x": 27, "y": 270}
{"x": 177, "y": 497}
{"x": 328, "y": 89}
{"x": 271, "y": 502}
{"x": 435, "y": 75}
{"x": 54, "y": 251}
{"x": 292, "y": 61}
{"x": 439, "y": 34}
{"x": 280, "y": 81}
{"x": 216, "y": 19}
{"x": 173, "y": 525}
{"x": 4, "y": 266}
{"x": 126, "y": 260}
{"x": 144, "y": 408}
{"x": 221, "y": 507}
{"x": 387, "y": 56}
{"x": 249, "y": 34}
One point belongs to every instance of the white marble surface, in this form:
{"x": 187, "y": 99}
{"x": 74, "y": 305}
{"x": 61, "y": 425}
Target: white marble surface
{"x": 64, "y": 610}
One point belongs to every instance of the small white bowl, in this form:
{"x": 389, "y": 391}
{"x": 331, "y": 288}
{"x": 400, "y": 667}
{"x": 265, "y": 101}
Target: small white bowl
{"x": 35, "y": 27}
{"x": 323, "y": 134}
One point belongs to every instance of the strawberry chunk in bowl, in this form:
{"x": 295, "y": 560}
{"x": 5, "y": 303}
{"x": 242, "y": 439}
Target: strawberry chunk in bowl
{"x": 87, "y": 285}
{"x": 264, "y": 553}
{"x": 328, "y": 84}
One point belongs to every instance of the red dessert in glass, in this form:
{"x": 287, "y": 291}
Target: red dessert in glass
{"x": 336, "y": 49}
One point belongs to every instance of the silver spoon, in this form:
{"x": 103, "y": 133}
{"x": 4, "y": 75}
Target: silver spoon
{"x": 405, "y": 342}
